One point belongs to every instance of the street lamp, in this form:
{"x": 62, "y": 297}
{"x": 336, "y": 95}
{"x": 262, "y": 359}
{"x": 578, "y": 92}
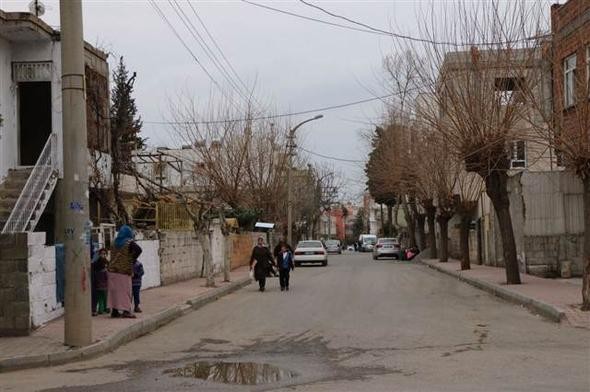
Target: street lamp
{"x": 291, "y": 146}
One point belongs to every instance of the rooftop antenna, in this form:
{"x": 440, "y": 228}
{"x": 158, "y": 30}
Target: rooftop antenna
{"x": 37, "y": 8}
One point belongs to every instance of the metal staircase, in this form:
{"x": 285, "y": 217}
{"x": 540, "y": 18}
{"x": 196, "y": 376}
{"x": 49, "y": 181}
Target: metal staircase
{"x": 25, "y": 193}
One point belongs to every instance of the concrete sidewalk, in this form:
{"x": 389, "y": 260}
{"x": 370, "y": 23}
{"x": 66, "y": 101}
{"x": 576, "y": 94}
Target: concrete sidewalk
{"x": 160, "y": 305}
{"x": 556, "y": 299}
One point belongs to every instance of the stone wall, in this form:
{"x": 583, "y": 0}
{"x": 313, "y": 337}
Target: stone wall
{"x": 28, "y": 288}
{"x": 241, "y": 249}
{"x": 15, "y": 316}
{"x": 181, "y": 256}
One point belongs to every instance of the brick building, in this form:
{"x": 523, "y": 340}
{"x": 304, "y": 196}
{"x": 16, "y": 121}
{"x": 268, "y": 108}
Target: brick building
{"x": 570, "y": 27}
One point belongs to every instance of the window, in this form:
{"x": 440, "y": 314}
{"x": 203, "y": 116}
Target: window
{"x": 508, "y": 90}
{"x": 518, "y": 156}
{"x": 569, "y": 73}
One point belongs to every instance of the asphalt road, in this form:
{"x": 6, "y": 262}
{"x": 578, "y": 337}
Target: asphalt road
{"x": 355, "y": 325}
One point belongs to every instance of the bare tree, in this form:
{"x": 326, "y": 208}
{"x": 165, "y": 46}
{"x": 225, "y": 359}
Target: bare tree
{"x": 474, "y": 111}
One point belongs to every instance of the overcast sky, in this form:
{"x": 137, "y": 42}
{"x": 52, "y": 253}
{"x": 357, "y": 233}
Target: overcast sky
{"x": 296, "y": 64}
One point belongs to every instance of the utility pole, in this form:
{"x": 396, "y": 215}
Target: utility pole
{"x": 291, "y": 146}
{"x": 74, "y": 201}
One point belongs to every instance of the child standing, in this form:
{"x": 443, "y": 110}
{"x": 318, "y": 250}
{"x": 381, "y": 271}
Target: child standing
{"x": 285, "y": 266}
{"x": 99, "y": 268}
{"x": 136, "y": 283}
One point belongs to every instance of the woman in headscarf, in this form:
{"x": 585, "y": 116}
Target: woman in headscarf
{"x": 120, "y": 270}
{"x": 260, "y": 261}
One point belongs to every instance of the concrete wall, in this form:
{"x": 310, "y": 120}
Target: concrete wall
{"x": 181, "y": 257}
{"x": 27, "y": 51}
{"x": 554, "y": 228}
{"x": 8, "y": 138}
{"x": 547, "y": 218}
{"x": 150, "y": 259}
{"x": 41, "y": 50}
{"x": 42, "y": 282}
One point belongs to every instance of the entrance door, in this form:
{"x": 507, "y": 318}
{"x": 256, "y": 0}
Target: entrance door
{"x": 34, "y": 109}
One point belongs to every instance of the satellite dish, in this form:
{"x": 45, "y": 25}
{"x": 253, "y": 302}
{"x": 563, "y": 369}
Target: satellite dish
{"x": 36, "y": 8}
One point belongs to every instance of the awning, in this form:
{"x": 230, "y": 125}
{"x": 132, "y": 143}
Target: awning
{"x": 264, "y": 225}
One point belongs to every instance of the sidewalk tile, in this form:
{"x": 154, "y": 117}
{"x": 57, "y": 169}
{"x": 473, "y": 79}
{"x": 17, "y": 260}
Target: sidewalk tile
{"x": 48, "y": 340}
{"x": 560, "y": 293}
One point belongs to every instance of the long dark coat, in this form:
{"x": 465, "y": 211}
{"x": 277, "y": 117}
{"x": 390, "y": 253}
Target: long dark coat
{"x": 263, "y": 261}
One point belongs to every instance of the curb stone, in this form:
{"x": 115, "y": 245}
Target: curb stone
{"x": 132, "y": 332}
{"x": 544, "y": 309}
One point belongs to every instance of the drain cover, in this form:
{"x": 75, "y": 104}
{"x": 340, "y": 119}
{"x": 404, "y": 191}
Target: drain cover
{"x": 243, "y": 373}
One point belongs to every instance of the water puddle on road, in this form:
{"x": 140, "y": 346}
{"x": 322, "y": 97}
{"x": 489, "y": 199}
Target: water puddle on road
{"x": 242, "y": 373}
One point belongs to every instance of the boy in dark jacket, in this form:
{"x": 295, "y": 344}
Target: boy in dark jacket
{"x": 285, "y": 262}
{"x": 136, "y": 284}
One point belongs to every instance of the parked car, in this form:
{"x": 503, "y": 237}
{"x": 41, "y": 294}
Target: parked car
{"x": 387, "y": 247}
{"x": 333, "y": 246}
{"x": 310, "y": 252}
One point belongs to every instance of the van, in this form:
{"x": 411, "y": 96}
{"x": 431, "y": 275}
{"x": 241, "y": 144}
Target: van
{"x": 367, "y": 242}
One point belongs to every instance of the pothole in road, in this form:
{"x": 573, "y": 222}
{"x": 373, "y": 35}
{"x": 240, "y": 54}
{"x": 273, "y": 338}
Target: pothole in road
{"x": 240, "y": 373}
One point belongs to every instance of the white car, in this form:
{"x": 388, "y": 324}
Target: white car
{"x": 310, "y": 252}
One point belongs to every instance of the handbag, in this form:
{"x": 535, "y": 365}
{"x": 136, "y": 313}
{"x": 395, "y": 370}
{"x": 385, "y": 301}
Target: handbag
{"x": 251, "y": 274}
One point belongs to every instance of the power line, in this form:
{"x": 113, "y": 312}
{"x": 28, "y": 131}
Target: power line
{"x": 376, "y": 29}
{"x": 330, "y": 157}
{"x": 366, "y": 28}
{"x": 205, "y": 47}
{"x": 267, "y": 7}
{"x": 190, "y": 51}
{"x": 217, "y": 46}
{"x": 309, "y": 111}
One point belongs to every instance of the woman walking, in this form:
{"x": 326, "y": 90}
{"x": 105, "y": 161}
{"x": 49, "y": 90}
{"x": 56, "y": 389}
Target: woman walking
{"x": 120, "y": 270}
{"x": 260, "y": 262}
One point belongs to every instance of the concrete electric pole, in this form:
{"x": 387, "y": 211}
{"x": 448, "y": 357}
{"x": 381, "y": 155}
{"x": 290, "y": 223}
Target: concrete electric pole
{"x": 291, "y": 146}
{"x": 73, "y": 208}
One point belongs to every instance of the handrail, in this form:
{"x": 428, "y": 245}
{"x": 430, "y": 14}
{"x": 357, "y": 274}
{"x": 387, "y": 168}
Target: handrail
{"x": 44, "y": 171}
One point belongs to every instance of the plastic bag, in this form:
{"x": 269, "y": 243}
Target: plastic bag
{"x": 251, "y": 274}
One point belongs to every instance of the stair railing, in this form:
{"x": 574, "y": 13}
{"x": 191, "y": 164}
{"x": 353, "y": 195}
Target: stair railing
{"x": 45, "y": 170}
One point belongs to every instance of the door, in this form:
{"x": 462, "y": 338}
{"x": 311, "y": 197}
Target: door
{"x": 34, "y": 109}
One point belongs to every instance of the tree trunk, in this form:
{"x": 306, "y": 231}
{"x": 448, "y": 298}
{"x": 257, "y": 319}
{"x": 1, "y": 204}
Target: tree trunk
{"x": 411, "y": 225}
{"x": 497, "y": 190}
{"x": 227, "y": 258}
{"x": 395, "y": 218}
{"x": 430, "y": 217}
{"x": 420, "y": 222}
{"x": 382, "y": 221}
{"x": 390, "y": 220}
{"x": 205, "y": 241}
{"x": 443, "y": 224}
{"x": 586, "y": 258}
{"x": 464, "y": 241}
